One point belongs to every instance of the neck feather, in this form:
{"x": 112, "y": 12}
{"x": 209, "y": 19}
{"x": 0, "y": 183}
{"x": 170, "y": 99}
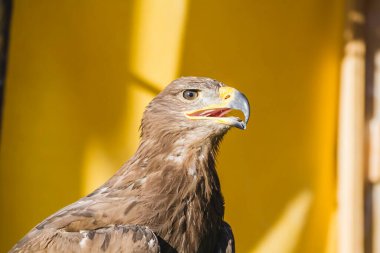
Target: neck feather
{"x": 178, "y": 186}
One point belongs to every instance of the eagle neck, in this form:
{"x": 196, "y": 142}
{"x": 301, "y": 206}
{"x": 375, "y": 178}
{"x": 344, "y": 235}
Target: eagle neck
{"x": 186, "y": 190}
{"x": 193, "y": 192}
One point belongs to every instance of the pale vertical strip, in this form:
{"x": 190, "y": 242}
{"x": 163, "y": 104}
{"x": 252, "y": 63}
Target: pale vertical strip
{"x": 157, "y": 35}
{"x": 374, "y": 156}
{"x": 155, "y": 54}
{"x": 350, "y": 150}
{"x": 157, "y": 39}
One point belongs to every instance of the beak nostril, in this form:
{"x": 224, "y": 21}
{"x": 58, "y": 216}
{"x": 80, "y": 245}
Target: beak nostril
{"x": 227, "y": 97}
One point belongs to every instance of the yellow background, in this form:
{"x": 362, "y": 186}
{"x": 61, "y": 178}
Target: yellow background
{"x": 80, "y": 73}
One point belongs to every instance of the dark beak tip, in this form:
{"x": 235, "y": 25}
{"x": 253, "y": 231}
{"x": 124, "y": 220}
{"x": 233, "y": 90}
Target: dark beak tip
{"x": 241, "y": 125}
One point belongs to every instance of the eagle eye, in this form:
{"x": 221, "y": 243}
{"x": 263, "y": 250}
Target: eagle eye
{"x": 190, "y": 94}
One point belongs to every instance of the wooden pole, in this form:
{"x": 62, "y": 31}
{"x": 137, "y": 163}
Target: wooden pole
{"x": 351, "y": 135}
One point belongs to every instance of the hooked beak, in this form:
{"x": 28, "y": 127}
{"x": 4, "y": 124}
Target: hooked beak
{"x": 230, "y": 99}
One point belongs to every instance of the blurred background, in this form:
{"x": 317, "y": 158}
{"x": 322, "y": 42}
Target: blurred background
{"x": 79, "y": 74}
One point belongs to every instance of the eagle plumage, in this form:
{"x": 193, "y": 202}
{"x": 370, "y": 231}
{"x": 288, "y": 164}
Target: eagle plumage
{"x": 167, "y": 197}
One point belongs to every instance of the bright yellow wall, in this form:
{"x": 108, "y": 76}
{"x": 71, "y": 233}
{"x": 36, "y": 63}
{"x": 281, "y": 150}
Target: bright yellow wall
{"x": 81, "y": 72}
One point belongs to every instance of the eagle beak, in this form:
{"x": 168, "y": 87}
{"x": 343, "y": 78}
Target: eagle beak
{"x": 230, "y": 99}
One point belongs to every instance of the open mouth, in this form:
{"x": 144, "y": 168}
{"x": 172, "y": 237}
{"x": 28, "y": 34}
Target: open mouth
{"x": 223, "y": 115}
{"x": 214, "y": 113}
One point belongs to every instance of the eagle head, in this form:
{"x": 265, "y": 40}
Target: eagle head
{"x": 199, "y": 105}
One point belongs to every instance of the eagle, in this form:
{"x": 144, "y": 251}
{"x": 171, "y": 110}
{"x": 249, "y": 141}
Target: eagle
{"x": 167, "y": 197}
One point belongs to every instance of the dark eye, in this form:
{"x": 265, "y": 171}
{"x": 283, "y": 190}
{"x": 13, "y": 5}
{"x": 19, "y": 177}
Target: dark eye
{"x": 190, "y": 94}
